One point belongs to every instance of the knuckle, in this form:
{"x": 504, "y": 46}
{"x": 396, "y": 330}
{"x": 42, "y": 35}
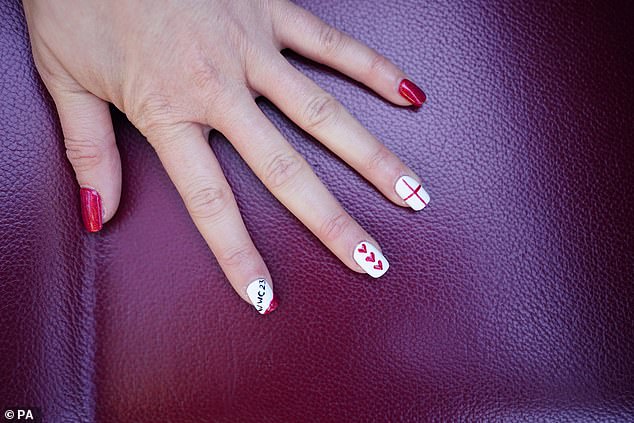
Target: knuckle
{"x": 220, "y": 108}
{"x": 153, "y": 112}
{"x": 207, "y": 201}
{"x": 320, "y": 110}
{"x": 378, "y": 64}
{"x": 380, "y": 159}
{"x": 330, "y": 39}
{"x": 237, "y": 256}
{"x": 282, "y": 168}
{"x": 163, "y": 142}
{"x": 85, "y": 153}
{"x": 170, "y": 138}
{"x": 335, "y": 226}
{"x": 205, "y": 75}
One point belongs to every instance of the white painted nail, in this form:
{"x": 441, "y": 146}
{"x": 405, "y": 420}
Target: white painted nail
{"x": 412, "y": 192}
{"x": 261, "y": 295}
{"x": 370, "y": 259}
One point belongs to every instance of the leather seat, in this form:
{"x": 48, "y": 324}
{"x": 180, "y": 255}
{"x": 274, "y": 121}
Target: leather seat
{"x": 510, "y": 298}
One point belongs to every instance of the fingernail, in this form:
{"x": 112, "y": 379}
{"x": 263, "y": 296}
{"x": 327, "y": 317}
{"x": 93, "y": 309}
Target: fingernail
{"x": 370, "y": 259}
{"x": 261, "y": 295}
{"x": 91, "y": 209}
{"x": 411, "y": 92}
{"x": 412, "y": 192}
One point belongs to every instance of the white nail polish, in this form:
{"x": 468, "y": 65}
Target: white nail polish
{"x": 412, "y": 192}
{"x": 370, "y": 259}
{"x": 261, "y": 295}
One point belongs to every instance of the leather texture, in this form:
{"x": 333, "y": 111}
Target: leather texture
{"x": 510, "y": 298}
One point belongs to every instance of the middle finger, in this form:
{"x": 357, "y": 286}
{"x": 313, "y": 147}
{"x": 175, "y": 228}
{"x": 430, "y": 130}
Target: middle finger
{"x": 322, "y": 116}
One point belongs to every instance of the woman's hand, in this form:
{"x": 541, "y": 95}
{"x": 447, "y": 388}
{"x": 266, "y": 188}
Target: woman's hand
{"x": 178, "y": 69}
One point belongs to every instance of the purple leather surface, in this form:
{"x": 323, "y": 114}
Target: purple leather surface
{"x": 510, "y": 298}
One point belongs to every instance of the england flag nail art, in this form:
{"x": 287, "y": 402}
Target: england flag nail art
{"x": 412, "y": 192}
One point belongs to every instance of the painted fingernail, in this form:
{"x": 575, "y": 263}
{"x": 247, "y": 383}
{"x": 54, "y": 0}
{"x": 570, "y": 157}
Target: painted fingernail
{"x": 261, "y": 295}
{"x": 370, "y": 259}
{"x": 412, "y": 192}
{"x": 91, "y": 209}
{"x": 411, "y": 92}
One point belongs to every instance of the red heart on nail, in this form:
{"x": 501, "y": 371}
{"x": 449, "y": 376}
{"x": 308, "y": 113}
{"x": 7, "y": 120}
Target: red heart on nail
{"x": 370, "y": 258}
{"x": 379, "y": 266}
{"x": 362, "y": 249}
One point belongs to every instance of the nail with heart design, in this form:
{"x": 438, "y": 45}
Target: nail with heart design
{"x": 412, "y": 192}
{"x": 261, "y": 295}
{"x": 370, "y": 259}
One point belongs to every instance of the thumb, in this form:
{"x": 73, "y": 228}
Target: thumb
{"x": 92, "y": 151}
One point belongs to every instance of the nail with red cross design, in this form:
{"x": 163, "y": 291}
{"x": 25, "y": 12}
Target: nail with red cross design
{"x": 370, "y": 259}
{"x": 412, "y": 192}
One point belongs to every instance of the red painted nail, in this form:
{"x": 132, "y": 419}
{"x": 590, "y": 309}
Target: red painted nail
{"x": 272, "y": 306}
{"x": 411, "y": 92}
{"x": 91, "y": 211}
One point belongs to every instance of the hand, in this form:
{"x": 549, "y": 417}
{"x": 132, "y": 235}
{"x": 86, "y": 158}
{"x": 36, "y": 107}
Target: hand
{"x": 178, "y": 69}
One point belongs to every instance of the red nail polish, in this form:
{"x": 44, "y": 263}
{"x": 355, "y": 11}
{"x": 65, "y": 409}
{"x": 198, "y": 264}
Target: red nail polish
{"x": 272, "y": 306}
{"x": 412, "y": 93}
{"x": 91, "y": 211}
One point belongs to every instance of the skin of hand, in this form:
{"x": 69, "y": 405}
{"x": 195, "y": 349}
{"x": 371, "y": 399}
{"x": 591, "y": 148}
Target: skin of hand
{"x": 179, "y": 68}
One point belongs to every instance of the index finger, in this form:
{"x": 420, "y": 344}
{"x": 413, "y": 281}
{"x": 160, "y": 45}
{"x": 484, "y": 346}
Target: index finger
{"x": 305, "y": 33}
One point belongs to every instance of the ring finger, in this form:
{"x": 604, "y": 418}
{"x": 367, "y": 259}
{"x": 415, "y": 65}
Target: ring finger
{"x": 289, "y": 177}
